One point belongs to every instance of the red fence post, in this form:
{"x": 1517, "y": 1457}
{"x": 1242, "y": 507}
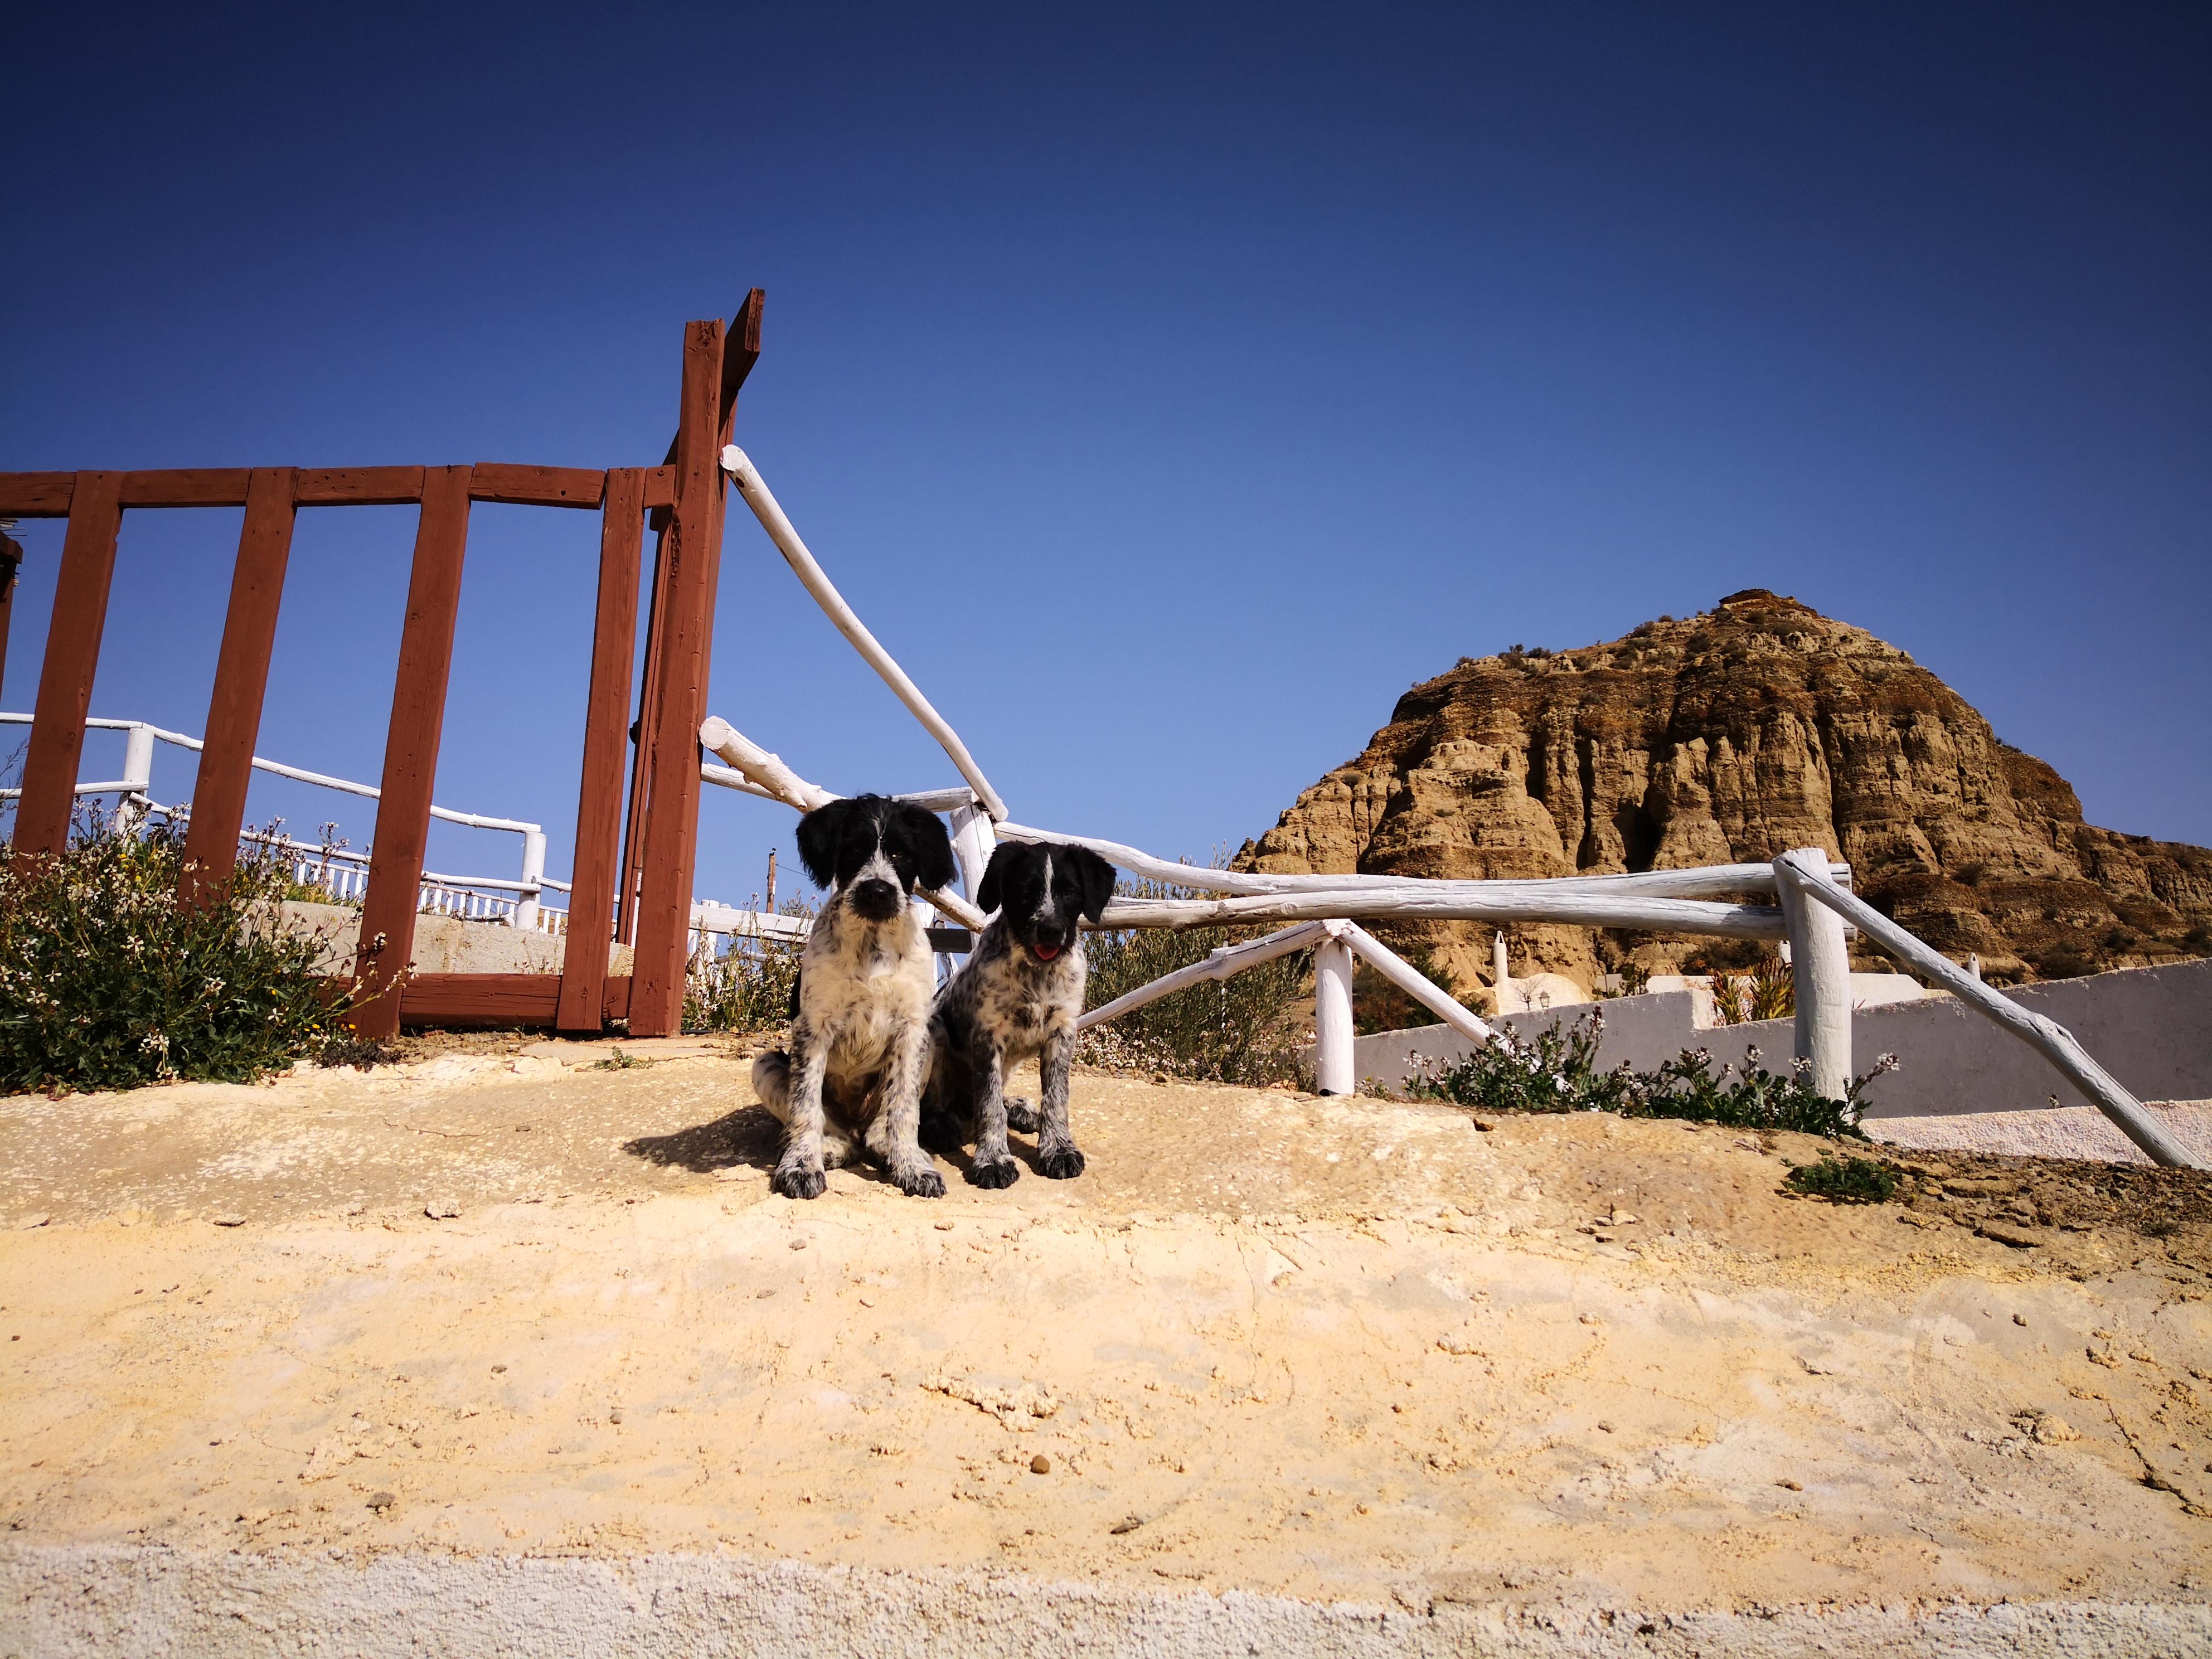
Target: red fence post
{"x": 606, "y": 740}
{"x": 42, "y": 815}
{"x": 410, "y": 748}
{"x": 241, "y": 682}
{"x": 685, "y": 627}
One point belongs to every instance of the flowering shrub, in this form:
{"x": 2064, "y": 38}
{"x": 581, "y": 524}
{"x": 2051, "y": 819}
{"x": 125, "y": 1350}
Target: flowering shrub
{"x": 107, "y": 982}
{"x": 1555, "y": 1070}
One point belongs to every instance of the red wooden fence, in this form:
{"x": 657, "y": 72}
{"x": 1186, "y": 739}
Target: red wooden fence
{"x": 646, "y": 869}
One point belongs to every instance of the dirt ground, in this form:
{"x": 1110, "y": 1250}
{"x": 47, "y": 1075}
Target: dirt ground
{"x": 519, "y": 1300}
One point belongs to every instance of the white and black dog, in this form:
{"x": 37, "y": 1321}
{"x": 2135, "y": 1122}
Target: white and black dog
{"x": 1017, "y": 996}
{"x": 859, "y": 1033}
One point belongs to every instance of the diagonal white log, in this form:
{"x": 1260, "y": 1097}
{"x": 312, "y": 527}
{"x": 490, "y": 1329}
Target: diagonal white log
{"x": 1219, "y": 964}
{"x": 1414, "y": 982}
{"x": 2053, "y": 1040}
{"x": 739, "y": 466}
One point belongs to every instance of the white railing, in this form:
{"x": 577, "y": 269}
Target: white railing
{"x": 341, "y": 873}
{"x": 1813, "y": 910}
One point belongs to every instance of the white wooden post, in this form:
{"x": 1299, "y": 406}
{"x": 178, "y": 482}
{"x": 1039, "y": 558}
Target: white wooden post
{"x": 1821, "y": 969}
{"x": 533, "y": 877}
{"x": 1333, "y": 1060}
{"x": 973, "y": 843}
{"x": 137, "y": 778}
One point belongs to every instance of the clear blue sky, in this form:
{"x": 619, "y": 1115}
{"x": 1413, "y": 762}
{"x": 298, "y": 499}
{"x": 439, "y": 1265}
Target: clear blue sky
{"x": 1169, "y": 389}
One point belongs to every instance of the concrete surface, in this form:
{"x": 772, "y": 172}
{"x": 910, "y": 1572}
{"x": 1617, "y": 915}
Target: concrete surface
{"x": 443, "y": 944}
{"x": 2078, "y": 1131}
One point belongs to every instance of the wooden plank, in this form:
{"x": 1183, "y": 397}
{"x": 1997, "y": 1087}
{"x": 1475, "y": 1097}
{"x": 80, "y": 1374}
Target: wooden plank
{"x": 36, "y": 494}
{"x": 617, "y": 1004}
{"x": 606, "y": 745}
{"x": 660, "y": 486}
{"x": 361, "y": 486}
{"x": 537, "y": 486}
{"x": 672, "y": 806}
{"x": 741, "y": 350}
{"x": 198, "y": 486}
{"x": 50, "y": 770}
{"x": 410, "y": 748}
{"x": 11, "y": 559}
{"x": 502, "y": 999}
{"x": 241, "y": 682}
{"x": 640, "y": 740}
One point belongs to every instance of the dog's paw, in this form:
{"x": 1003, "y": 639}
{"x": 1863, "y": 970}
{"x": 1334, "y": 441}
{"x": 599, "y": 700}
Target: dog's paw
{"x": 1002, "y": 1173}
{"x": 1061, "y": 1164}
{"x": 795, "y": 1181}
{"x": 941, "y": 1133}
{"x": 920, "y": 1183}
{"x": 1022, "y": 1114}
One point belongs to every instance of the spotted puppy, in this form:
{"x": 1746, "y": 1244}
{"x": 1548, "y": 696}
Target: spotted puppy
{"x": 859, "y": 1035}
{"x": 1017, "y": 996}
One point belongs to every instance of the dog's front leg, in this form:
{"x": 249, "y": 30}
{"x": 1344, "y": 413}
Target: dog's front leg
{"x": 1056, "y": 1153}
{"x": 993, "y": 1164}
{"x": 798, "y": 1172}
{"x": 910, "y": 1165}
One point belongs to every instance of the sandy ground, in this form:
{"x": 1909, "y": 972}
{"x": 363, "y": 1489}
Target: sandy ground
{"x": 510, "y": 1304}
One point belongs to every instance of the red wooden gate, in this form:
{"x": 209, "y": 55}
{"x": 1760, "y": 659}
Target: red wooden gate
{"x": 633, "y": 884}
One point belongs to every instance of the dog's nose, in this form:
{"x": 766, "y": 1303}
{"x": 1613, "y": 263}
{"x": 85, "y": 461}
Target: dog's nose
{"x": 876, "y": 897}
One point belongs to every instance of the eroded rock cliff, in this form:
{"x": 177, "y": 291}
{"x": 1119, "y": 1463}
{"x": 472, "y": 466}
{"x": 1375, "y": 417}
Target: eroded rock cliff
{"x": 1758, "y": 727}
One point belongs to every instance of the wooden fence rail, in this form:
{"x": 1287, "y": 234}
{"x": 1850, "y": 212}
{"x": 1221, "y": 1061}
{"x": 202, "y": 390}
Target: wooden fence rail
{"x": 661, "y": 839}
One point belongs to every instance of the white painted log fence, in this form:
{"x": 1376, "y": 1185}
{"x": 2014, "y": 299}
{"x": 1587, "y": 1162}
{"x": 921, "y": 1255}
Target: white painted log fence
{"x": 1811, "y": 913}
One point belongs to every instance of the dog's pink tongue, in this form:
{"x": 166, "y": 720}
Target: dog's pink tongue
{"x": 1043, "y": 954}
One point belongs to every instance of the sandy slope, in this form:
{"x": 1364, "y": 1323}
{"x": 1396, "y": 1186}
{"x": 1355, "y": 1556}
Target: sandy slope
{"x": 1346, "y": 1350}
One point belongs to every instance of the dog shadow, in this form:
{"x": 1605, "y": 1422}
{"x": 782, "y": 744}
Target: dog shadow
{"x": 749, "y": 1138}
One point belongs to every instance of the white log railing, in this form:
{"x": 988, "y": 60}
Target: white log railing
{"x": 1813, "y": 912}
{"x": 441, "y": 895}
{"x": 2053, "y": 1041}
{"x": 739, "y": 466}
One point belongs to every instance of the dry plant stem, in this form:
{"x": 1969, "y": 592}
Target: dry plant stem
{"x": 763, "y": 503}
{"x": 2053, "y": 1040}
{"x": 1220, "y": 964}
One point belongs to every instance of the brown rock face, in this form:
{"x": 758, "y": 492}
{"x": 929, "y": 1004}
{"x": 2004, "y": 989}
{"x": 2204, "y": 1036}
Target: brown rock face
{"x": 1758, "y": 727}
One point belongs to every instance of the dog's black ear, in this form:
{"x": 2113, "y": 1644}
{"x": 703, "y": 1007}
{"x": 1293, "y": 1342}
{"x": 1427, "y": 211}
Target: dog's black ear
{"x": 994, "y": 875}
{"x": 819, "y": 832}
{"x": 1093, "y": 878}
{"x": 932, "y": 849}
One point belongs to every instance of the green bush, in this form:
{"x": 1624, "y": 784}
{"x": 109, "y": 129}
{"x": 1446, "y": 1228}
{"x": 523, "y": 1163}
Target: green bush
{"x": 1844, "y": 1180}
{"x": 108, "y": 981}
{"x": 1244, "y": 1028}
{"x": 1556, "y": 1071}
{"x": 749, "y": 987}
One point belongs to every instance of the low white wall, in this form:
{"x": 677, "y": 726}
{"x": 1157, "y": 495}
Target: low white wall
{"x": 2150, "y": 1027}
{"x": 443, "y": 944}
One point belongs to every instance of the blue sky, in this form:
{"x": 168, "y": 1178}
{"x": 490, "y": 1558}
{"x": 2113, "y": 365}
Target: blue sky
{"x": 1169, "y": 389}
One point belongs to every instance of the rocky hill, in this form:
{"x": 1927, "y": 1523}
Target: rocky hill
{"x": 1757, "y": 727}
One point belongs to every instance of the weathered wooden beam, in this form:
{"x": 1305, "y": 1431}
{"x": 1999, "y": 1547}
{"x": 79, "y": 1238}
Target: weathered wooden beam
{"x": 361, "y": 486}
{"x": 36, "y": 494}
{"x": 198, "y": 486}
{"x": 410, "y": 748}
{"x": 241, "y": 683}
{"x": 606, "y": 743}
{"x": 684, "y": 623}
{"x": 537, "y": 486}
{"x": 88, "y": 570}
